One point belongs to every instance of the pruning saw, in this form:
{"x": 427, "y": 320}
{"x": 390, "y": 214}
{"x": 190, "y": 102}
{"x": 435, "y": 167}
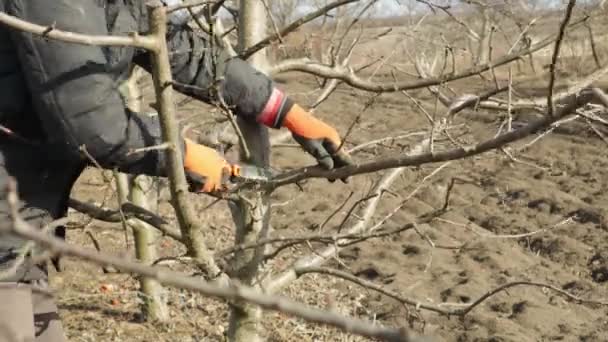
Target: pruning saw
{"x": 246, "y": 173}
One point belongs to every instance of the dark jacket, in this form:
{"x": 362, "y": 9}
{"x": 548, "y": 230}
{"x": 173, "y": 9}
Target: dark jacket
{"x": 66, "y": 95}
{"x": 62, "y": 96}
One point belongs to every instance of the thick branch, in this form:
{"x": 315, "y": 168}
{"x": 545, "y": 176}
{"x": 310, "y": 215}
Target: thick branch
{"x": 98, "y": 213}
{"x": 251, "y": 217}
{"x": 51, "y": 32}
{"x": 569, "y": 104}
{"x": 191, "y": 228}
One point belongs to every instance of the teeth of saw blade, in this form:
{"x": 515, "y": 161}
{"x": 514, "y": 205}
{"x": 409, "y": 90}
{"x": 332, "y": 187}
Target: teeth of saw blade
{"x": 255, "y": 173}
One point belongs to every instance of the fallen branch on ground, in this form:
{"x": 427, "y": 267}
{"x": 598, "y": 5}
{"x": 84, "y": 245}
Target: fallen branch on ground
{"x": 463, "y": 309}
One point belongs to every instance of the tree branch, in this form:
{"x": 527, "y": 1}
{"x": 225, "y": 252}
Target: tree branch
{"x": 347, "y": 76}
{"x": 320, "y": 257}
{"x": 129, "y": 210}
{"x": 175, "y": 279}
{"x": 556, "y": 50}
{"x": 191, "y": 228}
{"x": 569, "y": 104}
{"x": 144, "y": 42}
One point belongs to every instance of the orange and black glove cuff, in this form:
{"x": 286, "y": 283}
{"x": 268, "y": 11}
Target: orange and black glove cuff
{"x": 303, "y": 124}
{"x": 316, "y": 137}
{"x": 275, "y": 110}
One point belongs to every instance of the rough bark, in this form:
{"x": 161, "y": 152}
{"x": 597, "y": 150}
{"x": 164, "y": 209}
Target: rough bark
{"x": 144, "y": 194}
{"x": 190, "y": 226}
{"x": 251, "y": 221}
{"x": 483, "y": 47}
{"x": 143, "y": 191}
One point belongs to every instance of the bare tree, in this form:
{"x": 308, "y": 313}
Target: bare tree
{"x": 251, "y": 217}
{"x": 339, "y": 31}
{"x": 142, "y": 191}
{"x": 284, "y": 11}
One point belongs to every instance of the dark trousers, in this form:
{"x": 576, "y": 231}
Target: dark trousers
{"x": 43, "y": 186}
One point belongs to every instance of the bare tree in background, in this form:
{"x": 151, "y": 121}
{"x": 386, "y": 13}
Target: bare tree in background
{"x": 284, "y": 11}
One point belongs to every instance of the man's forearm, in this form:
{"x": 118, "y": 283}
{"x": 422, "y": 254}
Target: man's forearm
{"x": 208, "y": 73}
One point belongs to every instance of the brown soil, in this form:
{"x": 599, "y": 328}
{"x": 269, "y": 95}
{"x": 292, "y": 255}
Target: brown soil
{"x": 564, "y": 175}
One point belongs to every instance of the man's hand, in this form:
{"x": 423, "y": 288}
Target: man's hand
{"x": 206, "y": 169}
{"x": 317, "y": 138}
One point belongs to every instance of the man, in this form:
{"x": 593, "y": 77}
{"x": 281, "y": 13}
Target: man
{"x": 56, "y": 97}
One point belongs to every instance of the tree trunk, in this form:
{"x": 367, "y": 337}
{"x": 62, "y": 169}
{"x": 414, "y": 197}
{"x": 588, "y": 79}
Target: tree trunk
{"x": 142, "y": 191}
{"x": 483, "y": 49}
{"x": 252, "y": 28}
{"x": 144, "y": 194}
{"x": 190, "y": 227}
{"x": 252, "y": 222}
{"x": 131, "y": 94}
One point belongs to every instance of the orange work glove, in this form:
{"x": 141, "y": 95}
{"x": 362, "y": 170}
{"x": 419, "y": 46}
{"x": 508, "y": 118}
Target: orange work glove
{"x": 206, "y": 169}
{"x": 316, "y": 137}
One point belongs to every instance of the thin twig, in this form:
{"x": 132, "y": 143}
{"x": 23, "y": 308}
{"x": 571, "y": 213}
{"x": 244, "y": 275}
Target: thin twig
{"x": 161, "y": 147}
{"x": 509, "y": 102}
{"x": 357, "y": 119}
{"x": 386, "y": 139}
{"x": 272, "y": 21}
{"x": 335, "y": 212}
{"x": 190, "y": 4}
{"x": 439, "y": 308}
{"x": 556, "y": 50}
